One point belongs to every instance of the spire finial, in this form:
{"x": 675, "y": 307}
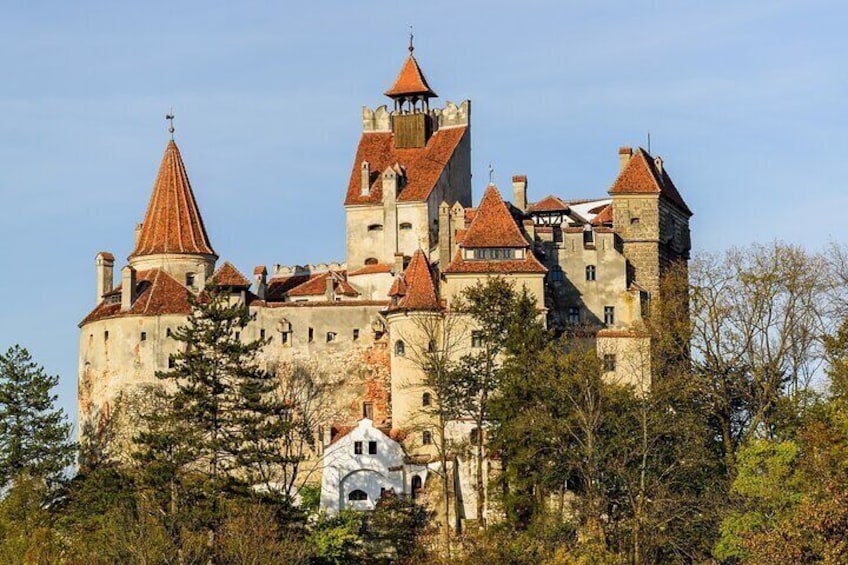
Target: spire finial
{"x": 170, "y": 117}
{"x": 491, "y": 174}
{"x": 411, "y": 36}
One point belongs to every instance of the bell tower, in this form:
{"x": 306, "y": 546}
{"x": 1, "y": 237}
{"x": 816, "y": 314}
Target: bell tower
{"x": 412, "y": 124}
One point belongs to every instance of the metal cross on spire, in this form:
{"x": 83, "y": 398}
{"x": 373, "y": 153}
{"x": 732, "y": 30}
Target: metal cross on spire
{"x": 411, "y": 36}
{"x": 170, "y": 117}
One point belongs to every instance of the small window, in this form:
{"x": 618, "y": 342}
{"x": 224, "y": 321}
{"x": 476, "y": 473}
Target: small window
{"x": 143, "y": 336}
{"x": 189, "y": 278}
{"x": 357, "y": 495}
{"x": 167, "y": 332}
{"x": 634, "y": 221}
{"x": 415, "y": 486}
{"x": 588, "y": 235}
{"x": 368, "y": 410}
{"x": 609, "y": 362}
{"x": 371, "y": 261}
{"x": 591, "y": 273}
{"x": 426, "y": 399}
{"x": 427, "y": 438}
{"x": 573, "y": 315}
{"x": 284, "y": 337}
{"x": 171, "y": 362}
{"x": 311, "y": 335}
{"x": 406, "y": 226}
{"x": 372, "y": 448}
{"x": 556, "y": 274}
{"x": 357, "y": 448}
{"x": 238, "y": 335}
{"x": 106, "y": 335}
{"x": 609, "y": 315}
{"x": 400, "y": 348}
{"x": 356, "y": 334}
{"x": 375, "y": 227}
{"x": 331, "y": 336}
{"x": 477, "y": 339}
{"x": 261, "y": 334}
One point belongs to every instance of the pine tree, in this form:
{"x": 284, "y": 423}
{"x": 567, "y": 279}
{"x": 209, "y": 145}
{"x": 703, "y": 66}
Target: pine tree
{"x": 216, "y": 417}
{"x": 34, "y": 434}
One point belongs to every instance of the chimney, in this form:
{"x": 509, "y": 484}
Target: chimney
{"x": 398, "y": 263}
{"x": 444, "y": 235}
{"x": 137, "y": 233}
{"x": 365, "y": 178}
{"x": 104, "y": 265}
{"x": 519, "y": 190}
{"x": 624, "y": 155}
{"x": 329, "y": 287}
{"x": 128, "y": 288}
{"x": 457, "y": 223}
{"x": 260, "y": 275}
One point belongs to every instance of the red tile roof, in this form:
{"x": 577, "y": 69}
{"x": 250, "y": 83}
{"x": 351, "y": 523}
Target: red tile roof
{"x": 371, "y": 270}
{"x": 410, "y": 81}
{"x": 415, "y": 288}
{"x": 317, "y": 285}
{"x": 493, "y": 224}
{"x": 604, "y": 216}
{"x": 549, "y": 203}
{"x": 640, "y": 176}
{"x": 228, "y": 275}
{"x": 504, "y": 266}
{"x": 158, "y": 293}
{"x": 278, "y": 287}
{"x": 260, "y": 270}
{"x": 107, "y": 256}
{"x": 172, "y": 223}
{"x": 423, "y": 166}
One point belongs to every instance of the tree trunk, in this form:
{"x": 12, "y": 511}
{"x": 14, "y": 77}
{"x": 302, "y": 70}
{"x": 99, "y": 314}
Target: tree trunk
{"x": 481, "y": 487}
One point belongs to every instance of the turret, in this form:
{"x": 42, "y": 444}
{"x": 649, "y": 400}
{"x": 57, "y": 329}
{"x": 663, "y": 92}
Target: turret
{"x": 104, "y": 265}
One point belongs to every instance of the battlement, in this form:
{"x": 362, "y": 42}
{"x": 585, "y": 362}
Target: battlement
{"x": 452, "y": 115}
{"x": 310, "y": 269}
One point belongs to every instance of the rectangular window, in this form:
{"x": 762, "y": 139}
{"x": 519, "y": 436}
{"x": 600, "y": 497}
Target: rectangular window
{"x": 143, "y": 336}
{"x": 189, "y": 280}
{"x": 368, "y": 410}
{"x": 356, "y": 334}
{"x": 238, "y": 335}
{"x": 609, "y": 362}
{"x": 311, "y": 335}
{"x": 331, "y": 336}
{"x": 261, "y": 334}
{"x": 609, "y": 315}
{"x": 372, "y": 448}
{"x": 357, "y": 448}
{"x": 494, "y": 253}
{"x": 476, "y": 339}
{"x": 106, "y": 335}
{"x": 574, "y": 315}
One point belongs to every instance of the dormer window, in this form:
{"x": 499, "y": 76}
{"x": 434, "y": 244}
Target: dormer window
{"x": 494, "y": 253}
{"x": 375, "y": 227}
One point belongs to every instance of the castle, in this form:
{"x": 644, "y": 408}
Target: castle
{"x": 414, "y": 242}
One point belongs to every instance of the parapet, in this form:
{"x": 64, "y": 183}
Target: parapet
{"x": 452, "y": 115}
{"x": 311, "y": 269}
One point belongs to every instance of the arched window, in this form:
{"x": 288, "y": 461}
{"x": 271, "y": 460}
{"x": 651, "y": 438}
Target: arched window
{"x": 590, "y": 272}
{"x": 400, "y": 348}
{"x": 357, "y": 495}
{"x": 426, "y": 399}
{"x": 371, "y": 261}
{"x": 416, "y": 486}
{"x": 406, "y": 226}
{"x": 426, "y": 438}
{"x": 375, "y": 227}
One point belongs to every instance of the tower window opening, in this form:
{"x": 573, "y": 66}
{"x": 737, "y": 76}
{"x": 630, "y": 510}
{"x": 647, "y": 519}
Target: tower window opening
{"x": 331, "y": 336}
{"x": 609, "y": 315}
{"x": 400, "y": 348}
{"x": 591, "y": 272}
{"x": 427, "y": 438}
{"x": 356, "y": 334}
{"x": 311, "y": 335}
{"x": 415, "y": 487}
{"x": 143, "y": 336}
{"x": 476, "y": 339}
{"x": 375, "y": 227}
{"x": 261, "y": 334}
{"x": 167, "y": 332}
{"x": 189, "y": 278}
{"x": 406, "y": 226}
{"x": 106, "y": 335}
{"x": 371, "y": 261}
{"x": 426, "y": 399}
{"x": 171, "y": 362}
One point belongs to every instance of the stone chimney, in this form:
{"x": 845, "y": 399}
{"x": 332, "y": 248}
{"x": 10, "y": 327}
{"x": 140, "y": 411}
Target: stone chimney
{"x": 365, "y": 178}
{"x": 519, "y": 190}
{"x": 105, "y": 266}
{"x": 624, "y": 155}
{"x": 260, "y": 279}
{"x": 137, "y": 234}
{"x": 457, "y": 223}
{"x": 398, "y": 263}
{"x": 444, "y": 235}
{"x": 329, "y": 287}
{"x": 128, "y": 288}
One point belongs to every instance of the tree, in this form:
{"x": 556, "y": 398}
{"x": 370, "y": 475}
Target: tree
{"x": 218, "y": 418}
{"x": 34, "y": 434}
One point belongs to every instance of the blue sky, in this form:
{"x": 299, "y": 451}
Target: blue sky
{"x": 745, "y": 101}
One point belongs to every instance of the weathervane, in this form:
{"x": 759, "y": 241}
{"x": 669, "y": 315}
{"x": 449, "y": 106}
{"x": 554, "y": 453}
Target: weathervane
{"x": 411, "y": 47}
{"x": 170, "y": 117}
{"x": 491, "y": 174}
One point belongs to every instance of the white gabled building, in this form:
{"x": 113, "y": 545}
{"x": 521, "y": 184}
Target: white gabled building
{"x": 363, "y": 464}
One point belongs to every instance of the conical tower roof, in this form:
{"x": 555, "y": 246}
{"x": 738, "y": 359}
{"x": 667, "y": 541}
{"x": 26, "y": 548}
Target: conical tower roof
{"x": 172, "y": 223}
{"x": 415, "y": 288}
{"x": 493, "y": 225}
{"x": 410, "y": 81}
